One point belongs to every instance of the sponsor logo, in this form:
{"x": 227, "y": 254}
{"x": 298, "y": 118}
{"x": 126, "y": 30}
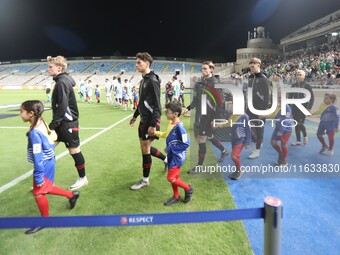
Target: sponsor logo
{"x": 124, "y": 220}
{"x": 136, "y": 220}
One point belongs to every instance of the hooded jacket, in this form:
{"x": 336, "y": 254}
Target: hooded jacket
{"x": 199, "y": 90}
{"x": 64, "y": 104}
{"x": 260, "y": 85}
{"x": 149, "y": 106}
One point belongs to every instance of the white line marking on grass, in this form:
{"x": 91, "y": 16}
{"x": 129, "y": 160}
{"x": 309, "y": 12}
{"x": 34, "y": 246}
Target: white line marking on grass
{"x": 9, "y": 106}
{"x": 29, "y": 173}
{"x": 81, "y": 128}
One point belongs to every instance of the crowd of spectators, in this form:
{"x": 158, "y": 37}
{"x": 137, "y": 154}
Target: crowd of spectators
{"x": 321, "y": 65}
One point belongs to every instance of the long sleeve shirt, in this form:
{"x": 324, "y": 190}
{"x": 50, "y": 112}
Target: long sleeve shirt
{"x": 177, "y": 143}
{"x": 64, "y": 104}
{"x": 284, "y": 123}
{"x": 40, "y": 152}
{"x": 329, "y": 118}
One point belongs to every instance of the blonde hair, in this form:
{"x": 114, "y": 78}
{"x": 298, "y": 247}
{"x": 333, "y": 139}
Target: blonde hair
{"x": 59, "y": 61}
{"x": 301, "y": 72}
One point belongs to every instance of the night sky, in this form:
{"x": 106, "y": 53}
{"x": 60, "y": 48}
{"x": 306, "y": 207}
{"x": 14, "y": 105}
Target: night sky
{"x": 192, "y": 29}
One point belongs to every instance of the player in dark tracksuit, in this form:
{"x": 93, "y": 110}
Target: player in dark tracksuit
{"x": 260, "y": 99}
{"x": 66, "y": 114}
{"x": 203, "y": 121}
{"x": 149, "y": 110}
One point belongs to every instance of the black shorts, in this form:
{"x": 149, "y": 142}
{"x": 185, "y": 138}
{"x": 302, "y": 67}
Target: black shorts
{"x": 68, "y": 133}
{"x": 298, "y": 115}
{"x": 205, "y": 126}
{"x": 143, "y": 127}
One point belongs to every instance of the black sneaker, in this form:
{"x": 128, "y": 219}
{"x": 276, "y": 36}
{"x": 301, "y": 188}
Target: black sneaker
{"x": 172, "y": 201}
{"x": 195, "y": 169}
{"x": 235, "y": 175}
{"x": 73, "y": 200}
{"x": 279, "y": 162}
{"x": 33, "y": 230}
{"x": 188, "y": 194}
{"x": 224, "y": 154}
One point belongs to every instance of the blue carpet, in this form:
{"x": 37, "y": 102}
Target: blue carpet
{"x": 311, "y": 206}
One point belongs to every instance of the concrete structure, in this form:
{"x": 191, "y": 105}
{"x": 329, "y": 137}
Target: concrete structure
{"x": 259, "y": 45}
{"x": 324, "y": 30}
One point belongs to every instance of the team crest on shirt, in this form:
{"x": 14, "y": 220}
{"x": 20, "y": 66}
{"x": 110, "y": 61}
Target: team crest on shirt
{"x": 36, "y": 148}
{"x": 184, "y": 138}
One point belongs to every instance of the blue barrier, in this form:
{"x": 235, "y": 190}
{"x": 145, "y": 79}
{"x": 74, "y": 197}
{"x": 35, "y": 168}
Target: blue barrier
{"x": 130, "y": 219}
{"x": 271, "y": 213}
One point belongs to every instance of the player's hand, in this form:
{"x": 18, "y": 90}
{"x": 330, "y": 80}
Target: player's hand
{"x": 279, "y": 134}
{"x": 152, "y": 131}
{"x": 246, "y": 147}
{"x": 132, "y": 122}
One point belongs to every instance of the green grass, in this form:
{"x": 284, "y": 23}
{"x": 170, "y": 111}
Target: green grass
{"x": 113, "y": 164}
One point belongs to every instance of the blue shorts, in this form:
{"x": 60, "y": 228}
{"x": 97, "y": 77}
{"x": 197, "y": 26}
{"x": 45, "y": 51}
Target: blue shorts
{"x": 323, "y": 130}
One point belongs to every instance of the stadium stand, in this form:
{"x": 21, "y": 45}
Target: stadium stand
{"x": 78, "y": 67}
{"x": 128, "y": 67}
{"x": 101, "y": 66}
{"x": 35, "y": 73}
{"x": 19, "y": 68}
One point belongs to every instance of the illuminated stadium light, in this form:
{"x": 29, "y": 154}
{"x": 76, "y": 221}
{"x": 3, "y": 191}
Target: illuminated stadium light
{"x": 335, "y": 34}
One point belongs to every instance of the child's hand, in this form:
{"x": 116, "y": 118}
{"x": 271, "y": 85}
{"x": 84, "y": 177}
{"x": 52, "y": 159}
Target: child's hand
{"x": 41, "y": 184}
{"x": 53, "y": 136}
{"x": 279, "y": 134}
{"x": 246, "y": 147}
{"x": 151, "y": 131}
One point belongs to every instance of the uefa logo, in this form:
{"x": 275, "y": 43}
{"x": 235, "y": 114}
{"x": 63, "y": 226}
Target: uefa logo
{"x": 124, "y": 220}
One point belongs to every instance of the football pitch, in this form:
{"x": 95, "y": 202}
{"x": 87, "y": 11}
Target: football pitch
{"x": 113, "y": 163}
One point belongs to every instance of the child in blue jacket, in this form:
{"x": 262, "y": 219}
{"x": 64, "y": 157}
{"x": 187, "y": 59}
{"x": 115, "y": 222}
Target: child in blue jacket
{"x": 177, "y": 143}
{"x": 40, "y": 152}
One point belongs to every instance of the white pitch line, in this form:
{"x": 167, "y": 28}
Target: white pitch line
{"x": 29, "y": 173}
{"x": 82, "y": 128}
{"x": 9, "y": 106}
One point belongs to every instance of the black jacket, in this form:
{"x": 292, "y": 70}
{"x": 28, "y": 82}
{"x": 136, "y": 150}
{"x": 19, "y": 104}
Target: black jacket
{"x": 308, "y": 105}
{"x": 64, "y": 104}
{"x": 200, "y": 88}
{"x": 260, "y": 85}
{"x": 149, "y": 106}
